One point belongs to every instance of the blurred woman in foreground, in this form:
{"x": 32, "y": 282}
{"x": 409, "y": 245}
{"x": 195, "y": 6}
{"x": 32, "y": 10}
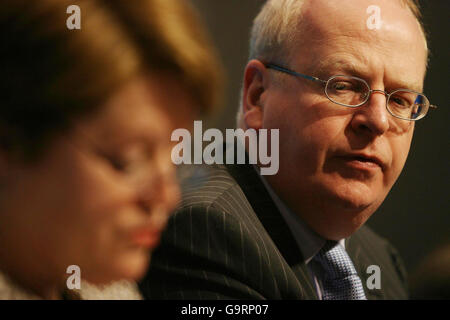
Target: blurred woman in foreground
{"x": 85, "y": 124}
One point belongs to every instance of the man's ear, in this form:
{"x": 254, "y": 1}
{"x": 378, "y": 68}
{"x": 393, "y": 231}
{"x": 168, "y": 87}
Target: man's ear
{"x": 255, "y": 81}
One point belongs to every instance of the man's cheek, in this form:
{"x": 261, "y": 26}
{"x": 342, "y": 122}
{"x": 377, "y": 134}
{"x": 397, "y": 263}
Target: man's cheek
{"x": 391, "y": 175}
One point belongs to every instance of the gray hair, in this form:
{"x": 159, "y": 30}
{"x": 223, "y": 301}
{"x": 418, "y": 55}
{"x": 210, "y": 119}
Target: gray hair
{"x": 276, "y": 25}
{"x": 276, "y": 28}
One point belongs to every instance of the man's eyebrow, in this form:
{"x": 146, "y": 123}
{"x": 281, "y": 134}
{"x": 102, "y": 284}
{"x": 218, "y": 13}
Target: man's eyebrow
{"x": 323, "y": 69}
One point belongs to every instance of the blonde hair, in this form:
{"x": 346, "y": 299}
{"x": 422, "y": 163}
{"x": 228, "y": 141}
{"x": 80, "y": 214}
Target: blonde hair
{"x": 52, "y": 75}
{"x": 172, "y": 38}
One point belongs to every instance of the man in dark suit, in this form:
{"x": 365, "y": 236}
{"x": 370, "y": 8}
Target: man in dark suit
{"x": 327, "y": 75}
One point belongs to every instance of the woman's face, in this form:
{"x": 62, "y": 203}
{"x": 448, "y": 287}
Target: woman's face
{"x": 100, "y": 195}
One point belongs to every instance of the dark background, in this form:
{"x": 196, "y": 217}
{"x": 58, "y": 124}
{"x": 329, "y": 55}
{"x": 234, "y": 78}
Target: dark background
{"x": 415, "y": 216}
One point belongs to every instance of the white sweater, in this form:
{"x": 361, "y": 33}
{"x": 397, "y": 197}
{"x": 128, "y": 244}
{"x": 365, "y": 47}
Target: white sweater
{"x": 119, "y": 290}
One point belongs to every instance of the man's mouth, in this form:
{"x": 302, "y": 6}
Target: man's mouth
{"x": 364, "y": 161}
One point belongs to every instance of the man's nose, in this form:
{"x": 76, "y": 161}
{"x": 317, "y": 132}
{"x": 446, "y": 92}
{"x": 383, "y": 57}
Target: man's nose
{"x": 372, "y": 117}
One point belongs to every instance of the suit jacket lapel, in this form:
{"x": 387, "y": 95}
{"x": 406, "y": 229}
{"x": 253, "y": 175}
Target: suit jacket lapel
{"x": 355, "y": 251}
{"x": 273, "y": 222}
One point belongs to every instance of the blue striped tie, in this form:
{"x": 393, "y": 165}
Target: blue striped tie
{"x": 340, "y": 280}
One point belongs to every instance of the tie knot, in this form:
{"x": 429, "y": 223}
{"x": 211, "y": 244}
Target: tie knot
{"x": 335, "y": 260}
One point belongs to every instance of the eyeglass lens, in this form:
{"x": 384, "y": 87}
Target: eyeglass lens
{"x": 353, "y": 92}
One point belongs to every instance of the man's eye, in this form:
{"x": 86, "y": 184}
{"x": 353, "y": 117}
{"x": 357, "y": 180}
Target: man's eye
{"x": 341, "y": 85}
{"x": 401, "y": 102}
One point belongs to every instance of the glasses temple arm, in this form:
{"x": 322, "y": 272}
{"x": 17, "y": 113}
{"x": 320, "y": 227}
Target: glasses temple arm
{"x": 293, "y": 73}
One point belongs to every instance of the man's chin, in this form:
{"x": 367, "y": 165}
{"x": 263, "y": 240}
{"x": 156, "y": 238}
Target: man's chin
{"x": 353, "y": 197}
{"x": 343, "y": 213}
{"x": 353, "y": 204}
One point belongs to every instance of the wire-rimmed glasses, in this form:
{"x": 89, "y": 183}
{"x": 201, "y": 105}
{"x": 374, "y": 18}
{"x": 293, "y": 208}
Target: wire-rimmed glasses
{"x": 354, "y": 92}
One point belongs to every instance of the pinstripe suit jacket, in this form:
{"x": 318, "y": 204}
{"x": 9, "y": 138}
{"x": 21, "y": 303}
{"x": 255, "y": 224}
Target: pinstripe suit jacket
{"x": 227, "y": 240}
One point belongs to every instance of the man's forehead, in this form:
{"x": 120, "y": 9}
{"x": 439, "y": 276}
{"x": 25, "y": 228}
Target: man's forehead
{"x": 336, "y": 39}
{"x": 351, "y": 17}
{"x": 332, "y": 10}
